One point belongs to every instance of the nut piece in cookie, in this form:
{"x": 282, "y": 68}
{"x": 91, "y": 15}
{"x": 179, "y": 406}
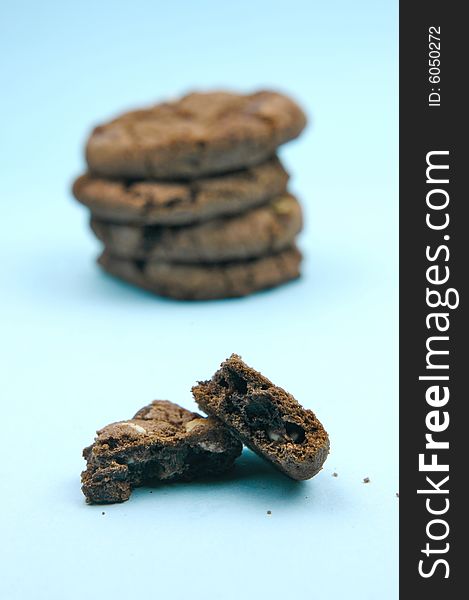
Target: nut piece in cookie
{"x": 162, "y": 442}
{"x": 265, "y": 417}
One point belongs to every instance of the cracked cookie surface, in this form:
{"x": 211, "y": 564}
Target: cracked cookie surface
{"x": 260, "y": 231}
{"x": 206, "y": 281}
{"x": 265, "y": 417}
{"x": 199, "y": 134}
{"x": 162, "y": 442}
{"x": 166, "y": 203}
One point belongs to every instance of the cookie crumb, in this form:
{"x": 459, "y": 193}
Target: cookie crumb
{"x": 366, "y": 480}
{"x": 269, "y": 512}
{"x": 334, "y": 474}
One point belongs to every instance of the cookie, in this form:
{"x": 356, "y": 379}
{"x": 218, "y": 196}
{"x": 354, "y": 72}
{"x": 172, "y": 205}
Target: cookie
{"x": 206, "y": 281}
{"x": 160, "y": 203}
{"x": 266, "y": 418}
{"x": 260, "y": 231}
{"x": 200, "y": 134}
{"x": 162, "y": 442}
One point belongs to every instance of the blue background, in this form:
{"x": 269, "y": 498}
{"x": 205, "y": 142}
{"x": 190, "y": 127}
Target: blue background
{"x": 79, "y": 349}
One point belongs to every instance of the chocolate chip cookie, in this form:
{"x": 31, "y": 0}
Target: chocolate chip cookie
{"x": 265, "y": 417}
{"x": 162, "y": 442}
{"x": 165, "y": 203}
{"x": 206, "y": 281}
{"x": 260, "y": 231}
{"x": 200, "y": 134}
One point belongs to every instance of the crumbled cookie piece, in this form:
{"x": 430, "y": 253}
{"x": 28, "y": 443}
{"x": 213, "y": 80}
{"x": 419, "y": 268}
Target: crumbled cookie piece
{"x": 162, "y": 442}
{"x": 265, "y": 417}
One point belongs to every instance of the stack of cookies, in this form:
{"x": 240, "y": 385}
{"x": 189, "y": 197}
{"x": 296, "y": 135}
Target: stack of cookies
{"x": 189, "y": 198}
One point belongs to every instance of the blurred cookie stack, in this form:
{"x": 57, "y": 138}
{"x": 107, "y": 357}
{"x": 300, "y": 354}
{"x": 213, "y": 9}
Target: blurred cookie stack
{"x": 189, "y": 198}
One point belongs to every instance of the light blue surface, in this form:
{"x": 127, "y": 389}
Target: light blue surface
{"x": 79, "y": 349}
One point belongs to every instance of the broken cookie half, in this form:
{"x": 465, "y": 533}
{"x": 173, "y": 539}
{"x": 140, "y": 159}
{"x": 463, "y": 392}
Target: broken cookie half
{"x": 162, "y": 442}
{"x": 265, "y": 417}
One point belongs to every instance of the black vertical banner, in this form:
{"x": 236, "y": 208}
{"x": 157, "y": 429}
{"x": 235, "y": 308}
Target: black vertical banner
{"x": 434, "y": 268}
